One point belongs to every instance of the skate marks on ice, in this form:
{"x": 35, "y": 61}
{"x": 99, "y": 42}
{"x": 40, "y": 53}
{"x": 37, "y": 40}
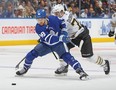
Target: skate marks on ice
{"x": 48, "y": 73}
{"x": 73, "y": 76}
{"x": 49, "y": 76}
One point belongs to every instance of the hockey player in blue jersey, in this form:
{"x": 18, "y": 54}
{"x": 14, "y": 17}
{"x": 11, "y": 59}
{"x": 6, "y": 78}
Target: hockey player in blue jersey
{"x": 53, "y": 37}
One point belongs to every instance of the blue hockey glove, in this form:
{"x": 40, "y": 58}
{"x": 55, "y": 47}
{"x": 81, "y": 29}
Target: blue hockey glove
{"x": 64, "y": 33}
{"x": 64, "y": 39}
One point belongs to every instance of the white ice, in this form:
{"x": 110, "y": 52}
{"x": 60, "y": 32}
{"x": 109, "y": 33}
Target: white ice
{"x": 41, "y": 75}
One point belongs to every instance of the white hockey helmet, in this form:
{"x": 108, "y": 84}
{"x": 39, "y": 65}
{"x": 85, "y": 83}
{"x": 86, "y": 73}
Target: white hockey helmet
{"x": 58, "y": 8}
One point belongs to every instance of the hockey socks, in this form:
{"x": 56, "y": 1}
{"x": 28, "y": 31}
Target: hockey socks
{"x": 70, "y": 60}
{"x": 76, "y": 65}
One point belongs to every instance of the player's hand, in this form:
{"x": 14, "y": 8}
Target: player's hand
{"x": 64, "y": 38}
{"x": 38, "y": 40}
{"x": 111, "y": 33}
{"x": 64, "y": 33}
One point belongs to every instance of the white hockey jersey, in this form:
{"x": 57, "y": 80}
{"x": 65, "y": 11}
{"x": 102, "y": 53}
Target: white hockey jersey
{"x": 73, "y": 25}
{"x": 113, "y": 22}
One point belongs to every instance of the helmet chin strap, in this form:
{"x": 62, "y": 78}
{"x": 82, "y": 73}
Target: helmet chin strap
{"x": 46, "y": 21}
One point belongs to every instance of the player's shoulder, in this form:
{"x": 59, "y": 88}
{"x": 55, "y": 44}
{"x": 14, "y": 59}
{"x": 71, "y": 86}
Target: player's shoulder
{"x": 52, "y": 17}
{"x": 40, "y": 28}
{"x": 114, "y": 15}
{"x": 67, "y": 12}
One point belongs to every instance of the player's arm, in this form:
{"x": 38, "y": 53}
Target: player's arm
{"x": 47, "y": 37}
{"x": 63, "y": 27}
{"x": 113, "y": 22}
{"x": 113, "y": 25}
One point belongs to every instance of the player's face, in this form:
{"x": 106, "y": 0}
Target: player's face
{"x": 41, "y": 21}
{"x": 59, "y": 14}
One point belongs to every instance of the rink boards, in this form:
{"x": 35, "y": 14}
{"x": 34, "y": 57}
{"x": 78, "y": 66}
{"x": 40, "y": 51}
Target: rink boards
{"x": 21, "y": 31}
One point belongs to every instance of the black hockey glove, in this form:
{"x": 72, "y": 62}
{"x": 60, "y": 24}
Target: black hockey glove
{"x": 38, "y": 40}
{"x": 111, "y": 33}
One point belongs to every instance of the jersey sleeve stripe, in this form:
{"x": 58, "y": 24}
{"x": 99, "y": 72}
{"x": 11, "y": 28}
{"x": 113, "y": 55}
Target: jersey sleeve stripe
{"x": 47, "y": 37}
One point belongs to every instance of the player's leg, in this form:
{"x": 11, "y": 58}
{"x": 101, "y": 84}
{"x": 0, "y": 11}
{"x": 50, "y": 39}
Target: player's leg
{"x": 87, "y": 52}
{"x": 63, "y": 53}
{"x": 68, "y": 58}
{"x": 63, "y": 69}
{"x": 112, "y": 30}
{"x": 39, "y": 50}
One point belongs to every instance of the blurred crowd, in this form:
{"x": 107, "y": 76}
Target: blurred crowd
{"x": 81, "y": 8}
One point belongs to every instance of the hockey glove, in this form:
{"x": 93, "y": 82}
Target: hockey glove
{"x": 64, "y": 33}
{"x": 111, "y": 33}
{"x": 38, "y": 40}
{"x": 64, "y": 39}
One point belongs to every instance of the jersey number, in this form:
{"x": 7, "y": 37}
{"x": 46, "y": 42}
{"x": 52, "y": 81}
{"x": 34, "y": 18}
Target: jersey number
{"x": 42, "y": 34}
{"x": 75, "y": 21}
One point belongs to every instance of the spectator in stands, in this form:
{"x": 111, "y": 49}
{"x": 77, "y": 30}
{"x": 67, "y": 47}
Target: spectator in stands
{"x": 85, "y": 13}
{"x": 70, "y": 5}
{"x": 62, "y": 2}
{"x": 29, "y": 10}
{"x": 75, "y": 11}
{"x": 9, "y": 11}
{"x": 21, "y": 11}
{"x": 1, "y": 12}
{"x": 112, "y": 1}
{"x": 41, "y": 4}
{"x": 85, "y": 4}
{"x": 91, "y": 13}
{"x": 97, "y": 9}
{"x": 15, "y": 15}
{"x": 35, "y": 4}
{"x": 106, "y": 14}
{"x": 3, "y": 4}
{"x": 52, "y": 3}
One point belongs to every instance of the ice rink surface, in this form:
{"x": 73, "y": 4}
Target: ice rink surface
{"x": 41, "y": 75}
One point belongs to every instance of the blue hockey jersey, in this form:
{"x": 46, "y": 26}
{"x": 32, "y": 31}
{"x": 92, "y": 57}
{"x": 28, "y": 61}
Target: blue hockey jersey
{"x": 49, "y": 34}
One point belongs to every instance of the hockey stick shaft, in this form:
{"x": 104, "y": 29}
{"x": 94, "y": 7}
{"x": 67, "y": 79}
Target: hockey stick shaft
{"x": 17, "y": 66}
{"x": 81, "y": 43}
{"x": 51, "y": 51}
{"x": 54, "y": 54}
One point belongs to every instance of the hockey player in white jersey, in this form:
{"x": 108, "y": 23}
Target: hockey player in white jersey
{"x": 77, "y": 33}
{"x": 113, "y": 26}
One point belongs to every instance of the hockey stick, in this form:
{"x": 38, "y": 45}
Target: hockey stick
{"x": 51, "y": 51}
{"x": 17, "y": 66}
{"x": 81, "y": 43}
{"x": 54, "y": 54}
